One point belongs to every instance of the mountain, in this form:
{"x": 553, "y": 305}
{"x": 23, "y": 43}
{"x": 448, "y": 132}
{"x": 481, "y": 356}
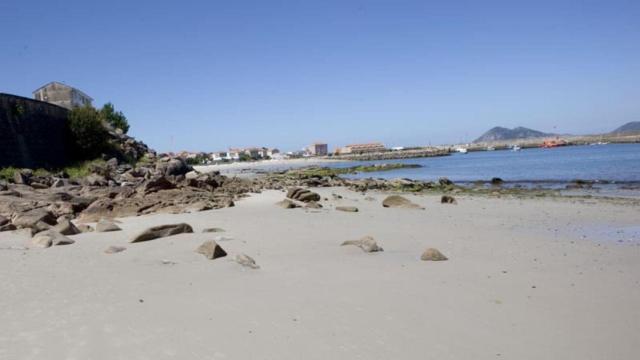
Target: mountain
{"x": 501, "y": 134}
{"x": 631, "y": 127}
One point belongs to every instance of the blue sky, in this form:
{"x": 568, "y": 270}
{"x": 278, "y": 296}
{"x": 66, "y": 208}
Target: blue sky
{"x": 206, "y": 75}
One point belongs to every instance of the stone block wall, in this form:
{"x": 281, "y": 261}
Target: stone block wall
{"x": 33, "y": 133}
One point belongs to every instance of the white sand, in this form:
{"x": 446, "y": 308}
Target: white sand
{"x": 313, "y": 299}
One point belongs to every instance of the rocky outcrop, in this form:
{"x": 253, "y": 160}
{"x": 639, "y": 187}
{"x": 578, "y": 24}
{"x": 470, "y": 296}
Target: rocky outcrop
{"x": 161, "y": 231}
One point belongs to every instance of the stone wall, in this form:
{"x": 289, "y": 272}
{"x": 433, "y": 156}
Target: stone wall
{"x": 33, "y": 133}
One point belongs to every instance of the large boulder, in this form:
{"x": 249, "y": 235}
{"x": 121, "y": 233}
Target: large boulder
{"x": 211, "y": 250}
{"x": 397, "y": 201}
{"x": 34, "y": 219}
{"x": 157, "y": 184}
{"x": 176, "y": 166}
{"x": 162, "y": 231}
{"x": 367, "y": 244}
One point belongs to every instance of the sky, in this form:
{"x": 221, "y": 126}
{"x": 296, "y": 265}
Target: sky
{"x": 208, "y": 75}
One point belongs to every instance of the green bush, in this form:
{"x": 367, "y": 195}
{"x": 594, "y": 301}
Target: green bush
{"x": 7, "y": 173}
{"x": 113, "y": 117}
{"x": 90, "y": 137}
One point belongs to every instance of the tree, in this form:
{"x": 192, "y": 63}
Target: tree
{"x": 114, "y": 118}
{"x": 89, "y": 135}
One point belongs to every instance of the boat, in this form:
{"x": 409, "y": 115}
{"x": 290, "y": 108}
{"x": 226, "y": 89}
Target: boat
{"x": 490, "y": 148}
{"x": 462, "y": 150}
{"x": 515, "y": 148}
{"x": 547, "y": 144}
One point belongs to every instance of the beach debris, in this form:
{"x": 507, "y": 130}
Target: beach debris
{"x": 106, "y": 225}
{"x": 66, "y": 227}
{"x": 432, "y": 254}
{"x": 85, "y": 228}
{"x": 313, "y": 205}
{"x": 367, "y": 244}
{"x": 49, "y": 238}
{"x": 287, "y": 204}
{"x": 114, "y": 249}
{"x": 303, "y": 195}
{"x": 347, "y": 208}
{"x": 212, "y": 230}
{"x": 211, "y": 250}
{"x": 246, "y": 260}
{"x": 161, "y": 231}
{"x": 397, "y": 201}
{"x": 447, "y": 199}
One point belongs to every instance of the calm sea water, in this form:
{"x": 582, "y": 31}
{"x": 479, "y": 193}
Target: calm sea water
{"x": 613, "y": 162}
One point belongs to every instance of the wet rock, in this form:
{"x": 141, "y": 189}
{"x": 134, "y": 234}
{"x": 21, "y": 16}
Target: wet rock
{"x": 114, "y": 249}
{"x": 447, "y": 199}
{"x": 106, "y": 226}
{"x": 212, "y": 230}
{"x": 211, "y": 250}
{"x": 287, "y": 204}
{"x": 246, "y": 260}
{"x": 432, "y": 254}
{"x": 397, "y": 201}
{"x": 367, "y": 244}
{"x": 347, "y": 208}
{"x": 49, "y": 238}
{"x": 66, "y": 227}
{"x": 162, "y": 231}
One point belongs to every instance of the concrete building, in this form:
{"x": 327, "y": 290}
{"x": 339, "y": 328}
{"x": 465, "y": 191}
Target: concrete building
{"x": 362, "y": 148}
{"x": 62, "y": 95}
{"x": 318, "y": 149}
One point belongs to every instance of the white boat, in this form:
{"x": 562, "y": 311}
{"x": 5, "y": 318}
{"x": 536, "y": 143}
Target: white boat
{"x": 462, "y": 150}
{"x": 490, "y": 148}
{"x": 515, "y": 148}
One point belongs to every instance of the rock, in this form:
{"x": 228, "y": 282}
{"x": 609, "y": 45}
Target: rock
{"x": 432, "y": 254}
{"x": 303, "y": 195}
{"x": 95, "y": 180}
{"x": 7, "y": 227}
{"x": 212, "y": 230}
{"x": 347, "y": 208}
{"x": 313, "y": 205}
{"x": 48, "y": 238}
{"x": 496, "y": 181}
{"x": 98, "y": 209}
{"x": 34, "y": 219}
{"x": 211, "y": 250}
{"x": 106, "y": 226}
{"x": 445, "y": 182}
{"x": 22, "y": 176}
{"x": 162, "y": 231}
{"x": 367, "y": 244}
{"x": 66, "y": 227}
{"x": 39, "y": 186}
{"x": 447, "y": 199}
{"x": 174, "y": 167}
{"x": 3, "y": 220}
{"x": 157, "y": 184}
{"x": 112, "y": 163}
{"x": 336, "y": 196}
{"x": 114, "y": 249}
{"x": 85, "y": 228}
{"x": 287, "y": 204}
{"x": 397, "y": 201}
{"x": 246, "y": 260}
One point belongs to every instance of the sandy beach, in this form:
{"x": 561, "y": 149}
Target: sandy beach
{"x": 526, "y": 279}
